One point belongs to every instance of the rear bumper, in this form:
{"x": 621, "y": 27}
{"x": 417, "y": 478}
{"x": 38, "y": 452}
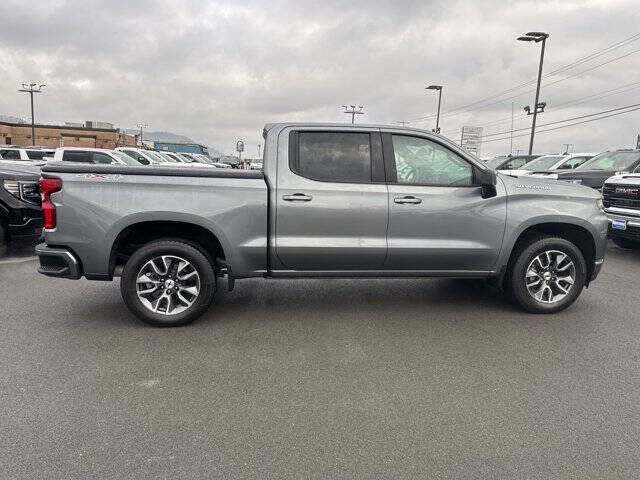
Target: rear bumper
{"x": 58, "y": 262}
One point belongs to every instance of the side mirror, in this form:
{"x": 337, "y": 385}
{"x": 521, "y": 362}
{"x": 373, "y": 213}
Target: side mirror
{"x": 143, "y": 161}
{"x": 487, "y": 180}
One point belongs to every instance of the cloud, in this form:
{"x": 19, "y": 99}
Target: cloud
{"x": 217, "y": 71}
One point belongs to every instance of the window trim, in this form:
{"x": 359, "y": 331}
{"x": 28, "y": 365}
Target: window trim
{"x": 375, "y": 154}
{"x": 390, "y": 162}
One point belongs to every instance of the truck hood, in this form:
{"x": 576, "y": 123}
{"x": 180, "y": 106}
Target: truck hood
{"x": 533, "y": 185}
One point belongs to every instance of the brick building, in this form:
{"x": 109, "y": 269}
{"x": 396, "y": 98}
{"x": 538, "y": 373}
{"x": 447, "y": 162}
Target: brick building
{"x": 64, "y": 135}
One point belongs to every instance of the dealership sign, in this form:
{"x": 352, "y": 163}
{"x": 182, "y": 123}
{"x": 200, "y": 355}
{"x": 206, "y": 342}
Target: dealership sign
{"x": 471, "y": 139}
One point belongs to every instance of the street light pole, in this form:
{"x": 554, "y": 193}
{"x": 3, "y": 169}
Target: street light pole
{"x": 32, "y": 88}
{"x": 259, "y": 151}
{"x": 536, "y": 37}
{"x": 439, "y": 88}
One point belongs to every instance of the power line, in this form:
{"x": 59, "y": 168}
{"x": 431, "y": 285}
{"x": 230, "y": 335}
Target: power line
{"x": 561, "y": 106}
{"x": 564, "y": 126}
{"x": 465, "y": 108}
{"x": 565, "y": 120}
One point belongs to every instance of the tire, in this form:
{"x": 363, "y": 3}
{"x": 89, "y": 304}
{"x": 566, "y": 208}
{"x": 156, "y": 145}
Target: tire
{"x": 169, "y": 284}
{"x": 626, "y": 243}
{"x": 543, "y": 292}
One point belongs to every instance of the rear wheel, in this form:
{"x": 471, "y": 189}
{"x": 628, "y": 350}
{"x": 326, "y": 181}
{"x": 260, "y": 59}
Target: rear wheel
{"x": 547, "y": 275}
{"x": 626, "y": 243}
{"x": 168, "y": 283}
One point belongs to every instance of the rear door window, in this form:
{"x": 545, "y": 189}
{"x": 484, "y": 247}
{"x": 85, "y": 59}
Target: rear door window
{"x": 76, "y": 156}
{"x": 39, "y": 154}
{"x": 332, "y": 156}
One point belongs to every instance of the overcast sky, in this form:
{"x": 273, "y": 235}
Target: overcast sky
{"x": 218, "y": 71}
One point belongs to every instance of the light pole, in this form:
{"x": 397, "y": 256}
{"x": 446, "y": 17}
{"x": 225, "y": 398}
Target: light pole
{"x": 439, "y": 88}
{"x": 141, "y": 126}
{"x": 259, "y": 151}
{"x": 32, "y": 88}
{"x": 537, "y": 107}
{"x": 351, "y": 109}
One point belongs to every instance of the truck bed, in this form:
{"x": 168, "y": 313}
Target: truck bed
{"x": 100, "y": 205}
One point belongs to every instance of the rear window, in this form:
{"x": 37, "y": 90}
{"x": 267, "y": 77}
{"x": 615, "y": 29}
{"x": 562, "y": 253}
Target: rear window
{"x": 332, "y": 156}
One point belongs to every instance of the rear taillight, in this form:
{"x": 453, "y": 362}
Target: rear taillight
{"x": 47, "y": 187}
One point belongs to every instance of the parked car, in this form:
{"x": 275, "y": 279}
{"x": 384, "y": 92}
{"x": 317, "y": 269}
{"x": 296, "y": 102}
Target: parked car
{"x": 336, "y": 201}
{"x": 20, "y": 214}
{"x": 594, "y": 172}
{"x": 100, "y": 156}
{"x": 567, "y": 161}
{"x": 256, "y": 166}
{"x": 509, "y": 162}
{"x": 621, "y": 199}
{"x": 143, "y": 157}
{"x": 34, "y": 155}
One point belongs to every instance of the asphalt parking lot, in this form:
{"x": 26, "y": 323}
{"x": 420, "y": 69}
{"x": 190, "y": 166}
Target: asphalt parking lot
{"x": 417, "y": 378}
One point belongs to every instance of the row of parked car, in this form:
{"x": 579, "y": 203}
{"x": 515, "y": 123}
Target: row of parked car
{"x": 615, "y": 173}
{"x": 119, "y": 156}
{"x": 20, "y": 213}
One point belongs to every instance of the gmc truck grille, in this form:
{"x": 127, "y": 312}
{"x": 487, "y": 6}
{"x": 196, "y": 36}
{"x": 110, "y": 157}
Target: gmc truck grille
{"x": 622, "y": 196}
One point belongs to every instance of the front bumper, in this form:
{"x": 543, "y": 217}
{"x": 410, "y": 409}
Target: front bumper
{"x": 632, "y": 232}
{"x": 58, "y": 262}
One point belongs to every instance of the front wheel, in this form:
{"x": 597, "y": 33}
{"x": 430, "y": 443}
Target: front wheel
{"x": 547, "y": 275}
{"x": 168, "y": 283}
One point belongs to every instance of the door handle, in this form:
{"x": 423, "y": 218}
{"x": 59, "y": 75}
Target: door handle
{"x": 407, "y": 199}
{"x": 297, "y": 197}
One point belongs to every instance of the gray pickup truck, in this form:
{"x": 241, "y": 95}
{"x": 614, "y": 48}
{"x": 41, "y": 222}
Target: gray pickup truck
{"x": 331, "y": 201}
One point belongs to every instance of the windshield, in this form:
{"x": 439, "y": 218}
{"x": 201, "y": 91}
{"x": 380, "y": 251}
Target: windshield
{"x": 495, "y": 162}
{"x": 185, "y": 157}
{"x": 543, "y": 163}
{"x": 167, "y": 157}
{"x": 126, "y": 159}
{"x": 611, "y": 161}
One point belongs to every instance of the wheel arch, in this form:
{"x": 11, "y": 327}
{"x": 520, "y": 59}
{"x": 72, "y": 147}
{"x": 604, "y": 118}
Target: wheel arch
{"x": 574, "y": 231}
{"x": 135, "y": 233}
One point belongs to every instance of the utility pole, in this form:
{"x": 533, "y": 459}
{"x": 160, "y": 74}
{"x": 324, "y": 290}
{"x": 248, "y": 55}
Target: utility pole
{"x": 439, "y": 89}
{"x": 259, "y": 151}
{"x": 567, "y": 145}
{"x": 352, "y": 110}
{"x": 511, "y": 133}
{"x": 32, "y": 88}
{"x": 141, "y": 126}
{"x": 537, "y": 107}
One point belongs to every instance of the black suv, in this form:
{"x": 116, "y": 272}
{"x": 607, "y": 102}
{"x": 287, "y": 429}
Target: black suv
{"x": 20, "y": 214}
{"x": 594, "y": 172}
